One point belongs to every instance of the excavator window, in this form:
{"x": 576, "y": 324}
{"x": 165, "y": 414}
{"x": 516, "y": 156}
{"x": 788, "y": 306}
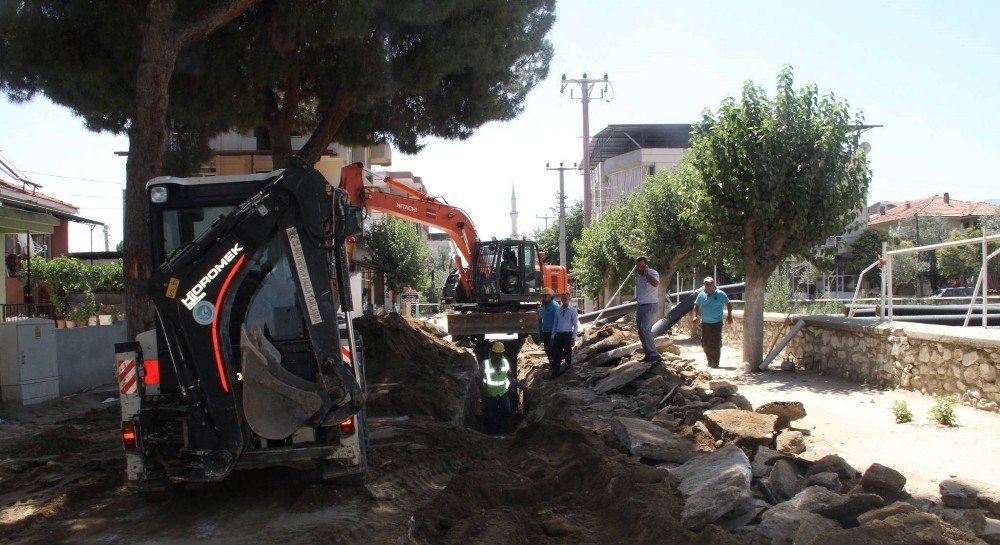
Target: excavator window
{"x": 532, "y": 270}
{"x": 182, "y": 225}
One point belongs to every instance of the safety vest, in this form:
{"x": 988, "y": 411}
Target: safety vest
{"x": 496, "y": 381}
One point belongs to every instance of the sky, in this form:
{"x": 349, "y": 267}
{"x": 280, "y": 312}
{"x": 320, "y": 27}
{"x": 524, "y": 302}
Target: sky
{"x": 928, "y": 71}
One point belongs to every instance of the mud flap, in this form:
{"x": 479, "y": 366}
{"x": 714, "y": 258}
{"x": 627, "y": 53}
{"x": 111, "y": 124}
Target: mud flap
{"x": 276, "y": 402}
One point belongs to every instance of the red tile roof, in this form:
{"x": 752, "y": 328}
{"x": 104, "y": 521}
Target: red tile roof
{"x": 18, "y": 188}
{"x": 934, "y": 206}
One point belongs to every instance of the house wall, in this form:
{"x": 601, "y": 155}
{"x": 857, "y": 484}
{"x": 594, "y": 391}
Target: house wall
{"x": 60, "y": 239}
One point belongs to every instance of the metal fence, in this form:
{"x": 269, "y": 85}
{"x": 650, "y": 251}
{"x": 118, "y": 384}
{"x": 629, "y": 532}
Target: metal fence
{"x": 14, "y": 311}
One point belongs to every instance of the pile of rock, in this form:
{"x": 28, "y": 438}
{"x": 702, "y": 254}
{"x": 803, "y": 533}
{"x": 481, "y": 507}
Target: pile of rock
{"x": 748, "y": 471}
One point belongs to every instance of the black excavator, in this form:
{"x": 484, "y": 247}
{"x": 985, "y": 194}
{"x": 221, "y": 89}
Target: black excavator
{"x": 253, "y": 361}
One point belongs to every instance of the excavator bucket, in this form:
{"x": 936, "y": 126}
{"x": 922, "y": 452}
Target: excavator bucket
{"x": 275, "y": 402}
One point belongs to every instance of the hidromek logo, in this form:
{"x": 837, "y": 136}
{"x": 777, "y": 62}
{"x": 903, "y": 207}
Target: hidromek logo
{"x": 197, "y": 293}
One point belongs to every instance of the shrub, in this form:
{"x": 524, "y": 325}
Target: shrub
{"x": 902, "y": 412}
{"x": 943, "y": 410}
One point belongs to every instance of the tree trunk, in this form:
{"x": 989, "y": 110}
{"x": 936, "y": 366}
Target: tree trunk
{"x": 147, "y": 143}
{"x": 753, "y": 317}
{"x": 609, "y": 286}
{"x": 160, "y": 42}
{"x": 334, "y": 113}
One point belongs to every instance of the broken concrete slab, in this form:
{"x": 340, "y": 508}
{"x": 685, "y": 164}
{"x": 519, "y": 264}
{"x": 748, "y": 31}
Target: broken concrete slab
{"x": 906, "y": 528}
{"x": 763, "y": 459}
{"x": 784, "y": 480}
{"x": 723, "y": 388}
{"x": 959, "y": 494}
{"x": 882, "y": 513}
{"x": 987, "y": 497}
{"x": 650, "y": 441}
{"x": 622, "y": 375}
{"x": 970, "y": 520}
{"x": 781, "y": 526}
{"x": 745, "y": 428}
{"x": 827, "y": 480}
{"x": 714, "y": 485}
{"x": 879, "y": 478}
{"x": 836, "y": 464}
{"x": 786, "y": 411}
{"x": 790, "y": 442}
{"x": 845, "y": 509}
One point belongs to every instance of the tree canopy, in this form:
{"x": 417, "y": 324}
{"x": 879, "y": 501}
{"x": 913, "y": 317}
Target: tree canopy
{"x": 397, "y": 249}
{"x": 548, "y": 239}
{"x": 658, "y": 222}
{"x": 777, "y": 176}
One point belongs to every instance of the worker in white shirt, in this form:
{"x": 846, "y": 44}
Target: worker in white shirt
{"x": 564, "y": 331}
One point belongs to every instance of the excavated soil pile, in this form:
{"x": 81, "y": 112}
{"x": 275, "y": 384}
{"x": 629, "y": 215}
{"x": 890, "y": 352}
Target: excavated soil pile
{"x": 410, "y": 371}
{"x": 558, "y": 479}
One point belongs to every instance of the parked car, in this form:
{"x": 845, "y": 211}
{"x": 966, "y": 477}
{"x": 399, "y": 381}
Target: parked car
{"x": 952, "y": 292}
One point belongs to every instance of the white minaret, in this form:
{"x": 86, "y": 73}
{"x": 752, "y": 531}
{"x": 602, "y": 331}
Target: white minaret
{"x": 513, "y": 213}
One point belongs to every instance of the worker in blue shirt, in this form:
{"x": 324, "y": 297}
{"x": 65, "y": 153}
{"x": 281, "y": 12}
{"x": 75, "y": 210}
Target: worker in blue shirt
{"x": 548, "y": 312}
{"x": 708, "y": 310}
{"x": 564, "y": 330}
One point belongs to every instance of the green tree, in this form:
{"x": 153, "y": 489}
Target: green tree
{"x": 397, "y": 250}
{"x": 991, "y": 223}
{"x": 606, "y": 250}
{"x": 963, "y": 263}
{"x": 918, "y": 231}
{"x": 112, "y": 64}
{"x": 668, "y": 218}
{"x": 778, "y": 176}
{"x": 440, "y": 263}
{"x": 658, "y": 222}
{"x": 865, "y": 250}
{"x": 355, "y": 72}
{"x": 548, "y": 239}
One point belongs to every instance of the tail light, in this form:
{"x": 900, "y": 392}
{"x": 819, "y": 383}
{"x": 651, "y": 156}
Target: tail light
{"x": 130, "y": 439}
{"x": 347, "y": 426}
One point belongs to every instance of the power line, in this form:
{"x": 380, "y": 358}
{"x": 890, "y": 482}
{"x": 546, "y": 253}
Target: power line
{"x": 73, "y": 178}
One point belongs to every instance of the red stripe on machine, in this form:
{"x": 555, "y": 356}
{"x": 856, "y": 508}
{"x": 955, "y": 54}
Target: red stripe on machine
{"x": 215, "y": 323}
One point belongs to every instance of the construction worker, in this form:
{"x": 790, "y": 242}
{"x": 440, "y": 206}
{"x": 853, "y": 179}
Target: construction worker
{"x": 564, "y": 331}
{"x": 548, "y": 312}
{"x": 647, "y": 302}
{"x": 497, "y": 379}
{"x": 708, "y": 310}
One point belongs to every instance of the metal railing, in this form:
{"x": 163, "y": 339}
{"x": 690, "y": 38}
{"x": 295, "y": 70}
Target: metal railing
{"x": 13, "y": 311}
{"x": 886, "y": 307}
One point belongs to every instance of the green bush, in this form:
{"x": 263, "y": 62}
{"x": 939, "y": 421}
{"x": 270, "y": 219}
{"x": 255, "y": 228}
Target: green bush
{"x": 943, "y": 410}
{"x": 902, "y": 412}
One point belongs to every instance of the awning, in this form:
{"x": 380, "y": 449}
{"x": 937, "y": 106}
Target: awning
{"x": 13, "y": 220}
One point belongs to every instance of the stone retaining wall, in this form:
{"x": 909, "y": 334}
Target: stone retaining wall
{"x": 932, "y": 359}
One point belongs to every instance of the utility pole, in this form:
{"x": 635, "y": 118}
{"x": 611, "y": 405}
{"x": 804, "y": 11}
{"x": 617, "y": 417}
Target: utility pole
{"x": 562, "y": 211}
{"x": 546, "y": 217}
{"x": 586, "y": 88}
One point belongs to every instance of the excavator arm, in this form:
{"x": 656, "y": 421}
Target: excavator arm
{"x": 417, "y": 207}
{"x": 249, "y": 314}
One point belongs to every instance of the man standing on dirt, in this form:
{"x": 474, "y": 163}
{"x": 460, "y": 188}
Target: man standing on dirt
{"x": 496, "y": 381}
{"x": 647, "y": 300}
{"x": 708, "y": 309}
{"x": 548, "y": 312}
{"x": 564, "y": 330}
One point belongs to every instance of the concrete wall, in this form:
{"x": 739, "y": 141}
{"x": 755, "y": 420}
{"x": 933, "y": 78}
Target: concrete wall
{"x": 960, "y": 362}
{"x": 86, "y": 356}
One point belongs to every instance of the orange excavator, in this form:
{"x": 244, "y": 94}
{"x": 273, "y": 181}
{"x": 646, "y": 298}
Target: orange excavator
{"x": 498, "y": 286}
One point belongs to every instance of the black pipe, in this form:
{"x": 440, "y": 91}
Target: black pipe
{"x": 976, "y": 320}
{"x": 617, "y": 311}
{"x": 927, "y": 310}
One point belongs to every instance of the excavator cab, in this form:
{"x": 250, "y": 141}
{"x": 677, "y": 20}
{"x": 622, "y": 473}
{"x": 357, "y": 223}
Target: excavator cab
{"x": 506, "y": 273}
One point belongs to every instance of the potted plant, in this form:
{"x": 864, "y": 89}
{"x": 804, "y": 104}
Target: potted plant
{"x": 79, "y": 315}
{"x": 106, "y": 314}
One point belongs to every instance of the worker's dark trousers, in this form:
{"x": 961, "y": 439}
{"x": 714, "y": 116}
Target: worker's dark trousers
{"x": 562, "y": 349}
{"x": 494, "y": 411}
{"x": 711, "y": 342}
{"x": 547, "y": 344}
{"x": 644, "y": 324}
